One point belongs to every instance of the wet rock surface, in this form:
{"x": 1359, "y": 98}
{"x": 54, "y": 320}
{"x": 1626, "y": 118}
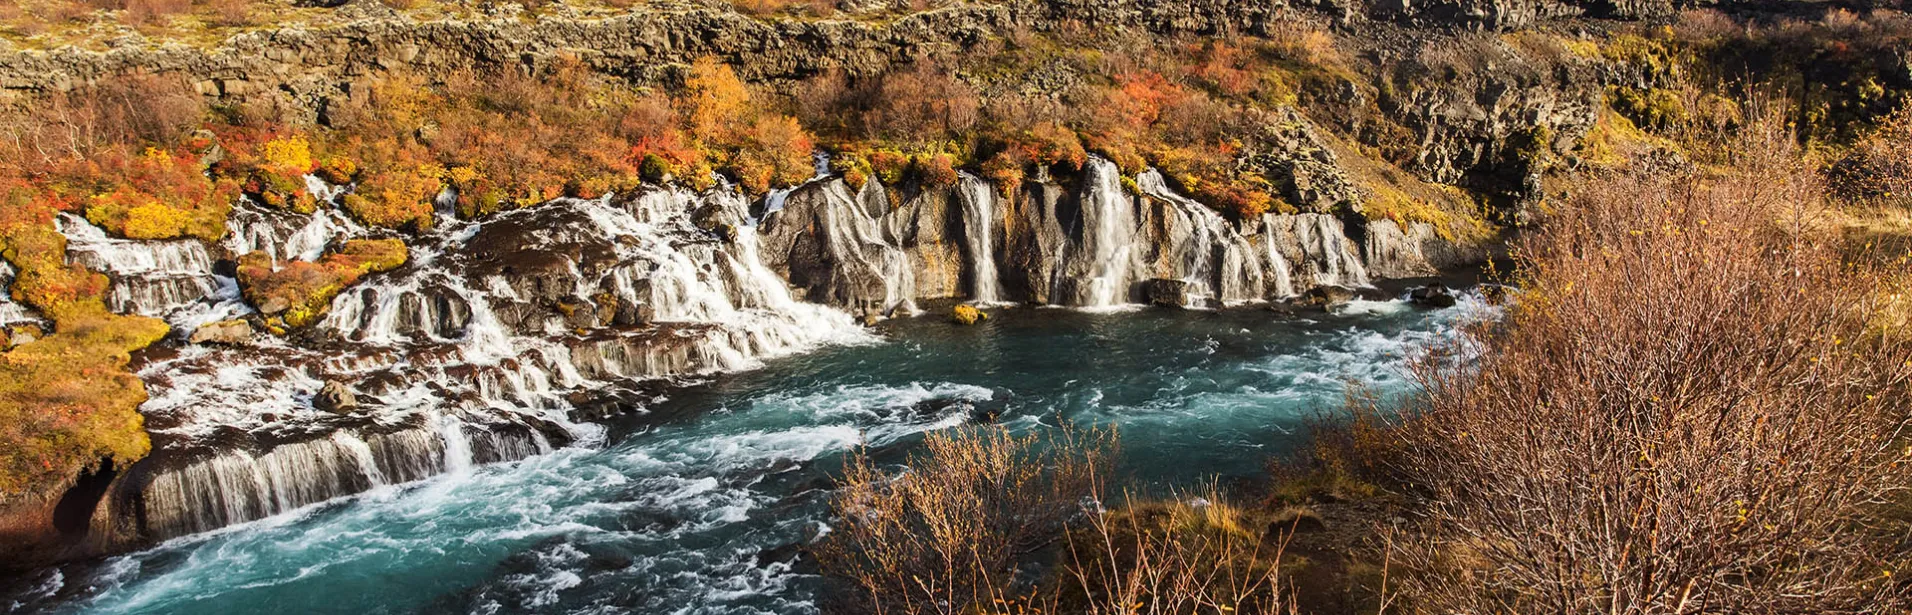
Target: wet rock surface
{"x": 234, "y": 332}
{"x": 335, "y": 398}
{"x": 1169, "y": 293}
{"x": 1433, "y": 296}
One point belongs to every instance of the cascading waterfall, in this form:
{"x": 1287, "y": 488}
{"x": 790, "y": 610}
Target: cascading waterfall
{"x": 869, "y": 268}
{"x": 1108, "y": 236}
{"x": 1313, "y": 250}
{"x": 240, "y": 485}
{"x": 470, "y": 354}
{"x": 979, "y": 231}
{"x": 170, "y": 279}
{"x": 1281, "y": 283}
{"x": 477, "y": 350}
{"x": 13, "y": 312}
{"x": 1210, "y": 253}
{"x": 287, "y": 236}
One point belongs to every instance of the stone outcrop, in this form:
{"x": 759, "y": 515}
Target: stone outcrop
{"x": 234, "y": 332}
{"x": 335, "y": 398}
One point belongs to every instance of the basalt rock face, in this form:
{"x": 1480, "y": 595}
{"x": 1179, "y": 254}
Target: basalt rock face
{"x": 1087, "y": 243}
{"x": 312, "y": 62}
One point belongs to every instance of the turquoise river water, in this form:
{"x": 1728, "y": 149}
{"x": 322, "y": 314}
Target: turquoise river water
{"x": 690, "y": 506}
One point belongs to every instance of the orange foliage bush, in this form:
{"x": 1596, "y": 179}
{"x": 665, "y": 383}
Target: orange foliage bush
{"x": 159, "y": 195}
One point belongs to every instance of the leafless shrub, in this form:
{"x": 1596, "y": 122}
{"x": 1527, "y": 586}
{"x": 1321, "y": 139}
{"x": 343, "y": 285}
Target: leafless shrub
{"x": 1195, "y": 555}
{"x": 1687, "y": 411}
{"x": 140, "y": 108}
{"x": 948, "y": 533}
{"x": 1878, "y": 169}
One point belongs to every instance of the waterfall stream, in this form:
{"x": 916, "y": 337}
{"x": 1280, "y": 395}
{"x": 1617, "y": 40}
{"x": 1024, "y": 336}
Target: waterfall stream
{"x": 488, "y": 342}
{"x": 1205, "y": 249}
{"x": 474, "y": 352}
{"x": 979, "y": 232}
{"x": 1108, "y": 237}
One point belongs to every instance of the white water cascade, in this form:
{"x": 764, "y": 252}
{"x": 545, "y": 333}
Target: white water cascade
{"x": 473, "y": 353}
{"x": 1313, "y": 249}
{"x": 1109, "y": 237}
{"x": 869, "y": 271}
{"x": 13, "y": 312}
{"x": 980, "y": 228}
{"x": 171, "y": 279}
{"x": 1204, "y": 249}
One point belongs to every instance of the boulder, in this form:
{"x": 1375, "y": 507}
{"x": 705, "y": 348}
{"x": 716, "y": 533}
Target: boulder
{"x": 336, "y": 398}
{"x": 231, "y": 332}
{"x": 1327, "y": 295}
{"x": 1170, "y": 293}
{"x": 1435, "y": 295}
{"x": 967, "y": 315}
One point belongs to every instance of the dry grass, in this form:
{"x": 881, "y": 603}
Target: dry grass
{"x": 1689, "y": 410}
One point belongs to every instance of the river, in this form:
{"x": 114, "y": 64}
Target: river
{"x": 689, "y": 504}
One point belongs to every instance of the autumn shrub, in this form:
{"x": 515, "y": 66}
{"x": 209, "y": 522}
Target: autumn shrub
{"x": 1053, "y": 145}
{"x": 949, "y": 534}
{"x": 889, "y": 165}
{"x": 66, "y": 399}
{"x": 1652, "y": 108}
{"x": 297, "y": 293}
{"x": 159, "y": 195}
{"x": 1685, "y": 411}
{"x": 1878, "y": 169}
{"x": 1005, "y": 170}
{"x": 925, "y": 104}
{"x": 936, "y": 169}
{"x": 1191, "y": 554}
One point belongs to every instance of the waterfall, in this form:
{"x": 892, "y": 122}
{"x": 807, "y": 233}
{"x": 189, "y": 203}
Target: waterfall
{"x": 286, "y": 236}
{"x": 1205, "y": 250}
{"x": 457, "y": 446}
{"x": 1312, "y": 250}
{"x": 1108, "y": 236}
{"x": 862, "y": 267}
{"x": 979, "y": 231}
{"x": 170, "y": 279}
{"x": 239, "y": 485}
{"x": 1281, "y": 283}
{"x": 13, "y": 312}
{"x": 362, "y": 453}
{"x": 477, "y": 347}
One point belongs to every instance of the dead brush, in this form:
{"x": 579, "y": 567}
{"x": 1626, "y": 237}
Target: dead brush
{"x": 949, "y": 533}
{"x": 1182, "y": 556}
{"x": 1690, "y": 409}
